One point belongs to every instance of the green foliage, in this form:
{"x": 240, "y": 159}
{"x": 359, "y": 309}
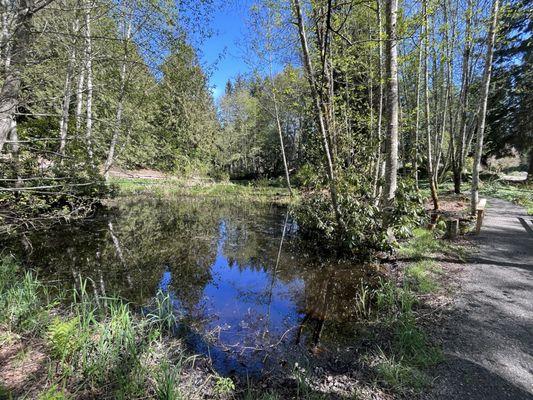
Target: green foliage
{"x": 167, "y": 382}
{"x": 421, "y": 273}
{"x": 53, "y": 393}
{"x": 5, "y": 394}
{"x": 64, "y": 337}
{"x": 364, "y": 226}
{"x": 424, "y": 245}
{"x": 224, "y": 386}
{"x": 61, "y": 192}
{"x": 162, "y": 315}
{"x": 400, "y": 376}
{"x": 407, "y": 210}
{"x": 412, "y": 345}
{"x": 362, "y": 233}
{"x": 21, "y": 307}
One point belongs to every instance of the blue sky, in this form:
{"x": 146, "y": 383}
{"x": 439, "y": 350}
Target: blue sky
{"x": 224, "y": 50}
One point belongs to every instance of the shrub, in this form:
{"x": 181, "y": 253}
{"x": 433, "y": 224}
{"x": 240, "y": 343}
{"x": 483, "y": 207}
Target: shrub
{"x": 364, "y": 231}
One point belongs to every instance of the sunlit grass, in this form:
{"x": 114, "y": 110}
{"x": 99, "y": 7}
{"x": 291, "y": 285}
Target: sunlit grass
{"x": 95, "y": 344}
{"x": 518, "y": 193}
{"x": 424, "y": 244}
{"x": 257, "y": 191}
{"x": 399, "y": 375}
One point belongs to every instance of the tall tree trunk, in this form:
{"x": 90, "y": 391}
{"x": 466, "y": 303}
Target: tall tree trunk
{"x": 429, "y": 154}
{"x": 281, "y": 144}
{"x": 474, "y": 197}
{"x": 63, "y": 123}
{"x": 530, "y": 169}
{"x": 391, "y": 71}
{"x": 11, "y": 87}
{"x": 417, "y": 117}
{"x": 120, "y": 106}
{"x": 460, "y": 136}
{"x": 319, "y": 110}
{"x": 5, "y": 43}
{"x": 79, "y": 97}
{"x": 276, "y": 108}
{"x": 89, "y": 67}
{"x": 376, "y": 188}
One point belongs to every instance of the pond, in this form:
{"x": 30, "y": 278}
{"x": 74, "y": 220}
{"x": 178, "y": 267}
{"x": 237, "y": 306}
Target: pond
{"x": 251, "y": 292}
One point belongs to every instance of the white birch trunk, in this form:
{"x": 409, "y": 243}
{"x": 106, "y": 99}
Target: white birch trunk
{"x": 391, "y": 70}
{"x": 491, "y": 37}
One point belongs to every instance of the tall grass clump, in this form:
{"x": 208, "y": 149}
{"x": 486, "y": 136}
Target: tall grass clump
{"x": 162, "y": 315}
{"x": 21, "y": 299}
{"x": 167, "y": 382}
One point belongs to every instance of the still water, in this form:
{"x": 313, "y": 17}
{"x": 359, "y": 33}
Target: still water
{"x": 251, "y": 292}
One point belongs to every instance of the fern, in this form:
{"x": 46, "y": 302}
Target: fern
{"x": 63, "y": 337}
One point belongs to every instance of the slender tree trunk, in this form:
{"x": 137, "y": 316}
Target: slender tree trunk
{"x": 319, "y": 111}
{"x": 63, "y": 123}
{"x": 378, "y": 173}
{"x": 417, "y": 117}
{"x": 530, "y": 169}
{"x": 429, "y": 154}
{"x": 460, "y": 146}
{"x": 79, "y": 98}
{"x": 11, "y": 87}
{"x": 120, "y": 106}
{"x": 89, "y": 67}
{"x": 6, "y": 43}
{"x": 276, "y": 108}
{"x": 474, "y": 198}
{"x": 391, "y": 71}
{"x": 281, "y": 144}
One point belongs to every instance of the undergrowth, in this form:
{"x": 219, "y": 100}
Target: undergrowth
{"x": 403, "y": 365}
{"x": 97, "y": 346}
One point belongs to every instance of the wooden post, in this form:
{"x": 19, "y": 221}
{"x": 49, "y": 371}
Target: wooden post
{"x": 480, "y": 213}
{"x": 452, "y": 228}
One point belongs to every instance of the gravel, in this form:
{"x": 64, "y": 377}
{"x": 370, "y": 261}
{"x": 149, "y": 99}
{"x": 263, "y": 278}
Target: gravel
{"x": 488, "y": 334}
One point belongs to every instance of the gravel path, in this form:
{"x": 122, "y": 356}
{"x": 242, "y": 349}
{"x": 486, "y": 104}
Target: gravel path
{"x": 488, "y": 338}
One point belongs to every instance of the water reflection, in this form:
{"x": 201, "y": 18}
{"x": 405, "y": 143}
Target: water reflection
{"x": 236, "y": 274}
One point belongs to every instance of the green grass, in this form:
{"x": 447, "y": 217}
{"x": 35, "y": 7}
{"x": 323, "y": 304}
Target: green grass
{"x": 424, "y": 244}
{"x": 21, "y": 306}
{"x": 518, "y": 193}
{"x": 98, "y": 346}
{"x": 422, "y": 273}
{"x": 403, "y": 366}
{"x": 400, "y": 376}
{"x": 258, "y": 191}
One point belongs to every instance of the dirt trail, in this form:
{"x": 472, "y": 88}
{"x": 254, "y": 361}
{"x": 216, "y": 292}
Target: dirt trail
{"x": 489, "y": 333}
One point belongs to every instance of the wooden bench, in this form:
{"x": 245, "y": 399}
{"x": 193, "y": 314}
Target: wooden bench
{"x": 480, "y": 213}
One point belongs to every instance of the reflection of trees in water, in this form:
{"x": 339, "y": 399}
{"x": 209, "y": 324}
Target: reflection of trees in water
{"x": 127, "y": 251}
{"x": 332, "y": 294}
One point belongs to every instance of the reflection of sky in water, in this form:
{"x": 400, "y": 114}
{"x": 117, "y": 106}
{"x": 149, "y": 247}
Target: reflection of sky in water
{"x": 246, "y": 307}
{"x": 219, "y": 263}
